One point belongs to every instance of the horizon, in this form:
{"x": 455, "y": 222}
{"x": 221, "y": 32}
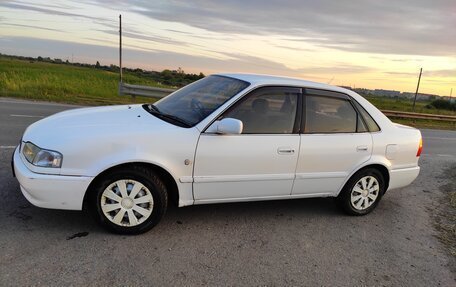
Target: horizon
{"x": 196, "y": 73}
{"x": 360, "y": 44}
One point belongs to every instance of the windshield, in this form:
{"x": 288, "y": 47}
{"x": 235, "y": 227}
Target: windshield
{"x": 194, "y": 102}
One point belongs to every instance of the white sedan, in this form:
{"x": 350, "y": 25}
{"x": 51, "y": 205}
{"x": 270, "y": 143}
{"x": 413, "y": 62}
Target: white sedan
{"x": 225, "y": 138}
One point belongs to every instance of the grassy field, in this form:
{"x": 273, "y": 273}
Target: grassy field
{"x": 406, "y": 105}
{"x": 89, "y": 86}
{"x": 63, "y": 83}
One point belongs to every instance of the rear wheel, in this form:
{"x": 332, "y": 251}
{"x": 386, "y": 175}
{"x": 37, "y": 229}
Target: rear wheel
{"x": 129, "y": 201}
{"x": 362, "y": 193}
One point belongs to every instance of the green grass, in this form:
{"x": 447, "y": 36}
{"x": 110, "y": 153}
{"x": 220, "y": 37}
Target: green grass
{"x": 405, "y": 105}
{"x": 64, "y": 83}
{"x": 426, "y": 124}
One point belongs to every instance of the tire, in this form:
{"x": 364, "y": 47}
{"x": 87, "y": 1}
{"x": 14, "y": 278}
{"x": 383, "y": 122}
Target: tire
{"x": 114, "y": 206}
{"x": 362, "y": 192}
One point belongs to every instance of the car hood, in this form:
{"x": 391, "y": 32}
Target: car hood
{"x": 100, "y": 123}
{"x": 93, "y": 116}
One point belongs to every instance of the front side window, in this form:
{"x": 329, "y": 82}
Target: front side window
{"x": 330, "y": 115}
{"x": 267, "y": 110}
{"x": 194, "y": 102}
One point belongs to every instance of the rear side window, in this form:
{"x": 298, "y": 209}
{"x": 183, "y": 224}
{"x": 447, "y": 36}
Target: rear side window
{"x": 330, "y": 115}
{"x": 371, "y": 124}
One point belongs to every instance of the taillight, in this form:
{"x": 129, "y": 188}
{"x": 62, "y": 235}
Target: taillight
{"x": 420, "y": 147}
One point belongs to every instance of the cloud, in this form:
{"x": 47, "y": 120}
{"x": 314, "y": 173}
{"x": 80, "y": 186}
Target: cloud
{"x": 407, "y": 60}
{"x": 402, "y": 74}
{"x": 337, "y": 69}
{"x": 294, "y": 48}
{"x": 33, "y": 27}
{"x": 43, "y": 10}
{"x": 418, "y": 27}
{"x": 446, "y": 73}
{"x": 140, "y": 36}
{"x": 156, "y": 60}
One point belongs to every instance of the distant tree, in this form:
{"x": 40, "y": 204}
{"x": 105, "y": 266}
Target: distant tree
{"x": 97, "y": 65}
{"x": 40, "y": 58}
{"x": 443, "y": 105}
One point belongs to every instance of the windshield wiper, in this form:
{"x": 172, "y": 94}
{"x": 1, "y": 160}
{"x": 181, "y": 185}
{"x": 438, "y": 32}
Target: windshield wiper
{"x": 153, "y": 108}
{"x": 155, "y": 111}
{"x": 177, "y": 119}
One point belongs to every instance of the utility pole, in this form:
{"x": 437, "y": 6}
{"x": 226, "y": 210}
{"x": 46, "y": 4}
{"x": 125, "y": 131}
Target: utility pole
{"x": 417, "y": 87}
{"x": 120, "y": 47}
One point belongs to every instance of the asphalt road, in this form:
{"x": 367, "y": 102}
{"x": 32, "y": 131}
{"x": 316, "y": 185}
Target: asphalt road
{"x": 296, "y": 242}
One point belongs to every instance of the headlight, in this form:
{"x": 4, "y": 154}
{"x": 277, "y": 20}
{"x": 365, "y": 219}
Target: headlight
{"x": 41, "y": 157}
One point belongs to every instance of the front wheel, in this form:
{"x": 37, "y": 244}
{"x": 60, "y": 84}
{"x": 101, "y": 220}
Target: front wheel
{"x": 362, "y": 193}
{"x": 129, "y": 201}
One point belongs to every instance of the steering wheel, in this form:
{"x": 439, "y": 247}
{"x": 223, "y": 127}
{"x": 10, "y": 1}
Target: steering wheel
{"x": 198, "y": 106}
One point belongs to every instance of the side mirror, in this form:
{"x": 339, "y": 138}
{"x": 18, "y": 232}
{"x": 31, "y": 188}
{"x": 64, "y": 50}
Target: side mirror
{"x": 229, "y": 126}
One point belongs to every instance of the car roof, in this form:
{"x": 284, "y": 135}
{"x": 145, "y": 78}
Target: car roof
{"x": 262, "y": 80}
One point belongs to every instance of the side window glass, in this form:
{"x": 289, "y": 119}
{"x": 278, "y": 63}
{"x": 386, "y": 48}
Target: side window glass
{"x": 267, "y": 111}
{"x": 329, "y": 115}
{"x": 361, "y": 127}
{"x": 371, "y": 124}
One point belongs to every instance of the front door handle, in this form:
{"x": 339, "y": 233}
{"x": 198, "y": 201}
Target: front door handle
{"x": 361, "y": 148}
{"x": 285, "y": 150}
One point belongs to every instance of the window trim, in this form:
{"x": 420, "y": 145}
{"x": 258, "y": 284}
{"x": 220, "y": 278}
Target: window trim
{"x": 299, "y": 109}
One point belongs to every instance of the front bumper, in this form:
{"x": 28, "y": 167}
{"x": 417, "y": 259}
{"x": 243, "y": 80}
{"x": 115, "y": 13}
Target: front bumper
{"x": 50, "y": 191}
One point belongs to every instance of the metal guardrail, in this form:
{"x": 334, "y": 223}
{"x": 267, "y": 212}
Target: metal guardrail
{"x": 144, "y": 91}
{"x": 154, "y": 92}
{"x": 411, "y": 115}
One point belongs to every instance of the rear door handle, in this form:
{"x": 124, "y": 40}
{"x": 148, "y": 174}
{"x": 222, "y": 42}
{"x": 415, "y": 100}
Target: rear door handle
{"x": 361, "y": 148}
{"x": 285, "y": 150}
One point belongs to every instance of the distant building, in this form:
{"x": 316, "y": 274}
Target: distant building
{"x": 450, "y": 99}
{"x": 408, "y": 95}
{"x": 425, "y": 97}
{"x": 363, "y": 91}
{"x": 386, "y": 93}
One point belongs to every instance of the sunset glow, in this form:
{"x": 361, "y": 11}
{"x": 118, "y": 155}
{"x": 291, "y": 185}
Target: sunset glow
{"x": 363, "y": 44}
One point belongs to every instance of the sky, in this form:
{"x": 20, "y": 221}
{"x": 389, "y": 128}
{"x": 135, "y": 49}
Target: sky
{"x": 358, "y": 43}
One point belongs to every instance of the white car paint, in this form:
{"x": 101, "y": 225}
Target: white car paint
{"x": 208, "y": 167}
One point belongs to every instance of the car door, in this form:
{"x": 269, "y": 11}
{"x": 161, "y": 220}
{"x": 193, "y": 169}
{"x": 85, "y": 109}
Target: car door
{"x": 261, "y": 161}
{"x": 334, "y": 142}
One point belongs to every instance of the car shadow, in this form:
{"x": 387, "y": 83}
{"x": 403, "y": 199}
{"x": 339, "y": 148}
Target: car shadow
{"x": 68, "y": 221}
{"x": 270, "y": 208}
{"x": 19, "y": 214}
